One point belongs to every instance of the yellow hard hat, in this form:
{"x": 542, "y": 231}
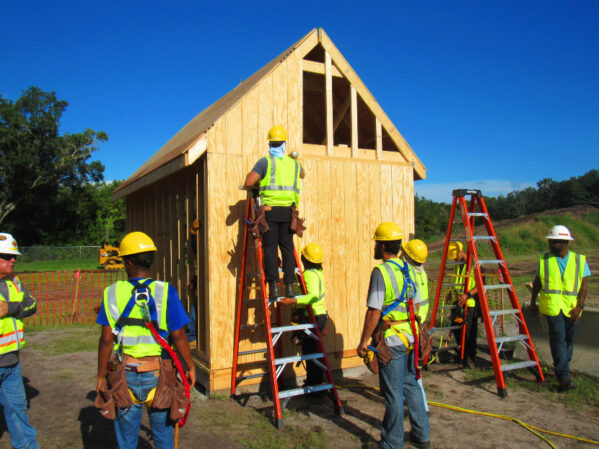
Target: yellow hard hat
{"x": 195, "y": 226}
{"x": 454, "y": 250}
{"x": 387, "y": 231}
{"x": 416, "y": 249}
{"x": 313, "y": 252}
{"x": 277, "y": 134}
{"x": 135, "y": 243}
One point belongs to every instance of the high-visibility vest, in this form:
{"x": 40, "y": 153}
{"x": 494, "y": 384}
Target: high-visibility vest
{"x": 281, "y": 183}
{"x": 421, "y": 281}
{"x": 315, "y": 287}
{"x": 137, "y": 341}
{"x": 394, "y": 281}
{"x": 460, "y": 271}
{"x": 11, "y": 328}
{"x": 559, "y": 293}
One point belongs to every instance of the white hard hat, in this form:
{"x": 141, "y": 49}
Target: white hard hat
{"x": 559, "y": 232}
{"x": 8, "y": 245}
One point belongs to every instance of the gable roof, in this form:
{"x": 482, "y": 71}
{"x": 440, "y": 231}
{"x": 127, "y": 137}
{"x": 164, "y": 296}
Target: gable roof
{"x": 189, "y": 143}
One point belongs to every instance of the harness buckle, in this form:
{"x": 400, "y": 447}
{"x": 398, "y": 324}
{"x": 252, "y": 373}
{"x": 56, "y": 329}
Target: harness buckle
{"x": 142, "y": 298}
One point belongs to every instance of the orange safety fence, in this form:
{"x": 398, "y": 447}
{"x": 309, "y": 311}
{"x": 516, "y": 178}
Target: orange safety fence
{"x": 68, "y": 297}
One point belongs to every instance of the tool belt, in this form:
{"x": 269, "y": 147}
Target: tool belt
{"x": 260, "y": 226}
{"x": 143, "y": 364}
{"x": 297, "y": 224}
{"x": 382, "y": 354}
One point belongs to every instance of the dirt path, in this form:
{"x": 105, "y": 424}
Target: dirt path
{"x": 60, "y": 388}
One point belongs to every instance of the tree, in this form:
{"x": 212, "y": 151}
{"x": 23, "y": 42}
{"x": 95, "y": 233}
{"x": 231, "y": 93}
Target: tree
{"x": 37, "y": 163}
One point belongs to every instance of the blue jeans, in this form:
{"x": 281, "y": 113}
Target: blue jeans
{"x": 562, "y": 334}
{"x": 14, "y": 401}
{"x": 128, "y": 421}
{"x": 398, "y": 379}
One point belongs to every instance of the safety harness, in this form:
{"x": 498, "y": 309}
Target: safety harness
{"x": 141, "y": 295}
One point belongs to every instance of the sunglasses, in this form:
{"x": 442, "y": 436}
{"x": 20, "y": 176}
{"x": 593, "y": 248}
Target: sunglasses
{"x": 8, "y": 257}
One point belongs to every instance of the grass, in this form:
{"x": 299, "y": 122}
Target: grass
{"x": 58, "y": 265}
{"x": 66, "y": 341}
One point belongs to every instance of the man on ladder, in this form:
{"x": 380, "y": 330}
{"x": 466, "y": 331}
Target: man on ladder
{"x": 561, "y": 285}
{"x": 278, "y": 178}
{"x": 397, "y": 377}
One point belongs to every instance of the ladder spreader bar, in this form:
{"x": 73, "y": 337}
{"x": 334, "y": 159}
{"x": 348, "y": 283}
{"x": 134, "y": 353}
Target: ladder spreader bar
{"x": 512, "y": 338}
{"x": 298, "y": 358}
{"x": 304, "y": 390}
{"x": 294, "y": 327}
{"x": 518, "y": 365}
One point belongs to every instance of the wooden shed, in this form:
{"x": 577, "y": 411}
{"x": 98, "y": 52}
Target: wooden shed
{"x": 359, "y": 172}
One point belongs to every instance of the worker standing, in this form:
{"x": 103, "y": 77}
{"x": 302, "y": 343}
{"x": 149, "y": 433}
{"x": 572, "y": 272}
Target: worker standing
{"x": 278, "y": 179}
{"x": 467, "y": 299}
{"x": 415, "y": 253}
{"x": 386, "y": 296}
{"x": 16, "y": 303}
{"x": 312, "y": 256}
{"x": 561, "y": 286}
{"x": 126, "y": 308}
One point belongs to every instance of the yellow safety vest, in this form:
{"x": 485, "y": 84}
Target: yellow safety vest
{"x": 11, "y": 328}
{"x": 393, "y": 278}
{"x": 281, "y": 183}
{"x": 460, "y": 271}
{"x": 559, "y": 293}
{"x": 421, "y": 281}
{"x": 315, "y": 288}
{"x": 137, "y": 341}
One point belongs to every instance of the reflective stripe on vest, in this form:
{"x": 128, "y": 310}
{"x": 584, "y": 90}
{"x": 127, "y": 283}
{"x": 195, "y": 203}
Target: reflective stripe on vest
{"x": 11, "y": 328}
{"x": 137, "y": 341}
{"x": 559, "y": 292}
{"x": 284, "y": 193}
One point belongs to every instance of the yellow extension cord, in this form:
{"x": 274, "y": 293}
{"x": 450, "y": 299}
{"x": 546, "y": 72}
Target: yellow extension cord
{"x": 528, "y": 427}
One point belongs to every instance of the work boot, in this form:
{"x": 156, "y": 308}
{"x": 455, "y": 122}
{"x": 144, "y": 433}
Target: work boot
{"x": 565, "y": 384}
{"x": 273, "y": 290}
{"x": 419, "y": 444}
{"x": 290, "y": 291}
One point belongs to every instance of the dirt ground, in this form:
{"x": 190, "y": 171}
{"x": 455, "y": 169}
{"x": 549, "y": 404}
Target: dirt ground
{"x": 60, "y": 389}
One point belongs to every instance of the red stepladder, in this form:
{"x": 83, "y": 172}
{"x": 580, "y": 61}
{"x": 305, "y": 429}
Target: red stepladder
{"x": 504, "y": 323}
{"x": 270, "y": 312}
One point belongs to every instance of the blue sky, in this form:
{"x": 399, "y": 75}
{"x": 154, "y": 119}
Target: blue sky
{"x": 490, "y": 95}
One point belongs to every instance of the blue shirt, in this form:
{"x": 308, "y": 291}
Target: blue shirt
{"x": 176, "y": 317}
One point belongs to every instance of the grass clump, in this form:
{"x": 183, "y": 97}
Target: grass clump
{"x": 67, "y": 341}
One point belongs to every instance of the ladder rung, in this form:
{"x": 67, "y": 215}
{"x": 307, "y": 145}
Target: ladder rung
{"x": 253, "y": 351}
{"x": 518, "y": 365}
{"x": 503, "y": 312}
{"x": 512, "y": 338}
{"x": 295, "y": 327}
{"x": 249, "y": 376}
{"x": 484, "y": 262}
{"x": 483, "y": 237}
{"x": 251, "y": 326}
{"x": 304, "y": 390}
{"x": 497, "y": 286}
{"x": 298, "y": 358}
{"x": 477, "y": 214}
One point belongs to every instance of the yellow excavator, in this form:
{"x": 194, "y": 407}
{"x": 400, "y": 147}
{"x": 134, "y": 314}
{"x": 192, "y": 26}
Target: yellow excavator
{"x": 109, "y": 257}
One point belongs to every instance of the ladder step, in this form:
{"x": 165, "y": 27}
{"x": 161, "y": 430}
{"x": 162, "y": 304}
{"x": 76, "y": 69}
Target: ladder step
{"x": 518, "y": 365}
{"x": 512, "y": 338}
{"x": 453, "y": 306}
{"x": 249, "y": 376}
{"x": 497, "y": 286}
{"x": 484, "y": 262}
{"x": 304, "y": 390}
{"x": 295, "y": 327}
{"x": 298, "y": 358}
{"x": 251, "y": 326}
{"x": 483, "y": 237}
{"x": 253, "y": 351}
{"x": 503, "y": 312}
{"x": 477, "y": 214}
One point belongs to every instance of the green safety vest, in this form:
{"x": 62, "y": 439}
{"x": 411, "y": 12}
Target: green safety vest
{"x": 460, "y": 271}
{"x": 421, "y": 281}
{"x": 560, "y": 293}
{"x": 11, "y": 328}
{"x": 137, "y": 341}
{"x": 315, "y": 291}
{"x": 393, "y": 278}
{"x": 281, "y": 184}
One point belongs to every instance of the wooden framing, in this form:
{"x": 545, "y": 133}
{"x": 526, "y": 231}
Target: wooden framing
{"x": 346, "y": 193}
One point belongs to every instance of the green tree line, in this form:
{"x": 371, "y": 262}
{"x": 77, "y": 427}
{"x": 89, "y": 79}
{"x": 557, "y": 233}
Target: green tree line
{"x": 432, "y": 217}
{"x": 51, "y": 193}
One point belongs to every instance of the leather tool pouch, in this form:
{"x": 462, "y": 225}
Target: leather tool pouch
{"x": 383, "y": 354}
{"x": 424, "y": 341}
{"x": 170, "y": 391}
{"x": 297, "y": 224}
{"x": 105, "y": 404}
{"x": 259, "y": 226}
{"x": 117, "y": 385}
